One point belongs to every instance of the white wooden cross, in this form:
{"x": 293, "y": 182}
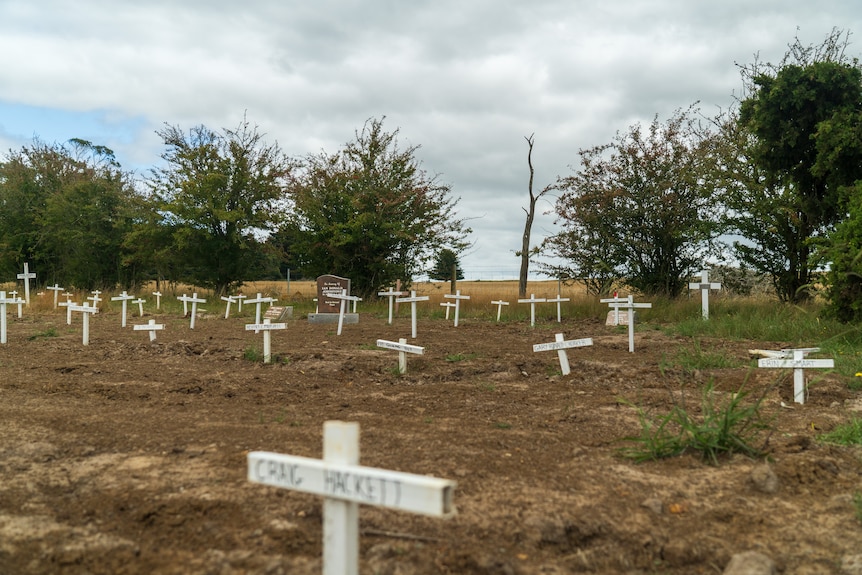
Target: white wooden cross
{"x": 345, "y": 484}
{"x": 391, "y": 294}
{"x": 403, "y": 348}
{"x": 229, "y": 299}
{"x": 257, "y": 301}
{"x": 532, "y": 301}
{"x": 68, "y": 305}
{"x": 18, "y": 301}
{"x": 140, "y": 301}
{"x": 158, "y": 295}
{"x": 457, "y": 297}
{"x": 56, "y": 289}
{"x": 239, "y": 297}
{"x": 561, "y": 345}
{"x": 87, "y": 310}
{"x": 412, "y": 301}
{"x": 499, "y": 304}
{"x": 630, "y": 305}
{"x": 194, "y": 300}
{"x": 95, "y": 298}
{"x": 795, "y": 359}
{"x": 266, "y": 327}
{"x": 3, "y": 302}
{"x": 704, "y": 286}
{"x": 344, "y": 299}
{"x": 557, "y": 300}
{"x": 615, "y": 303}
{"x": 447, "y": 305}
{"x": 27, "y": 276}
{"x": 151, "y": 327}
{"x": 123, "y": 297}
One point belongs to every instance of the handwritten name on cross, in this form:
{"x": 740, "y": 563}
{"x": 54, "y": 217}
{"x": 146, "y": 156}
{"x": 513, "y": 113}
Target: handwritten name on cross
{"x": 558, "y": 300}
{"x": 140, "y": 301}
{"x": 561, "y": 345}
{"x": 341, "y": 308}
{"x": 194, "y": 300}
{"x": 704, "y": 286}
{"x": 87, "y": 310}
{"x": 457, "y": 297}
{"x": 151, "y": 327}
{"x": 532, "y": 301}
{"x": 123, "y": 297}
{"x": 266, "y": 327}
{"x": 258, "y": 301}
{"x": 403, "y": 348}
{"x": 795, "y": 359}
{"x": 27, "y": 276}
{"x": 499, "y": 304}
{"x": 391, "y": 294}
{"x": 56, "y": 289}
{"x": 412, "y": 300}
{"x": 345, "y": 484}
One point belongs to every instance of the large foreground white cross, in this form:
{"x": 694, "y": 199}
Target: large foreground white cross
{"x": 561, "y": 345}
{"x": 412, "y": 301}
{"x": 795, "y": 359}
{"x": 704, "y": 286}
{"x": 391, "y": 294}
{"x": 457, "y": 297}
{"x": 266, "y": 327}
{"x": 345, "y": 484}
{"x": 151, "y": 327}
{"x": 403, "y": 348}
{"x": 27, "y": 276}
{"x": 532, "y": 301}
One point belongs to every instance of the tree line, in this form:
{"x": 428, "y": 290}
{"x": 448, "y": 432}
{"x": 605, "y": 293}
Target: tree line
{"x": 780, "y": 171}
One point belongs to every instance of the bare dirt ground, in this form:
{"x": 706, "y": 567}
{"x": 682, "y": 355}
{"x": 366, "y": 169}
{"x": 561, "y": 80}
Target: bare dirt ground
{"x": 127, "y": 456}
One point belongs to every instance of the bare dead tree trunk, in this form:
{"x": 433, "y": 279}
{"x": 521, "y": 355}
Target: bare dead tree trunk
{"x": 528, "y": 226}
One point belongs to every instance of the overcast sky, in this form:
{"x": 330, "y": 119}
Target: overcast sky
{"x": 466, "y": 80}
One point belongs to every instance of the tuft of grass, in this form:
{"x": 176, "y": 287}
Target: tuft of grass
{"x": 456, "y": 357}
{"x": 50, "y": 332}
{"x": 722, "y": 428}
{"x": 849, "y": 433}
{"x": 694, "y": 358}
{"x": 252, "y": 354}
{"x": 502, "y": 425}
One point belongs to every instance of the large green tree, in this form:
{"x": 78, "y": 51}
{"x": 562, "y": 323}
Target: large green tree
{"x": 796, "y": 115}
{"x": 369, "y": 212}
{"x": 641, "y": 209}
{"x": 66, "y": 209}
{"x": 219, "y": 193}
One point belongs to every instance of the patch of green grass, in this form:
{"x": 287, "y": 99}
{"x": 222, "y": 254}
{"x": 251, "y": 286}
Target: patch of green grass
{"x": 50, "y": 332}
{"x": 695, "y": 357}
{"x": 485, "y": 386}
{"x": 732, "y": 426}
{"x": 502, "y": 425}
{"x": 456, "y": 357}
{"x": 849, "y": 433}
{"x": 252, "y": 354}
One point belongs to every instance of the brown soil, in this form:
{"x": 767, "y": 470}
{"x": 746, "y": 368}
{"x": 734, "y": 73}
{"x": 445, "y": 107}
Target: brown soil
{"x": 127, "y": 456}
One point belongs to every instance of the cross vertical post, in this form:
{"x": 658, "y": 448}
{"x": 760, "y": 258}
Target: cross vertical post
{"x": 27, "y": 276}
{"x": 532, "y": 301}
{"x": 412, "y": 301}
{"x": 123, "y": 297}
{"x": 56, "y": 289}
{"x": 499, "y": 304}
{"x": 340, "y": 518}
{"x": 158, "y": 295}
{"x": 391, "y": 294}
{"x": 457, "y": 297}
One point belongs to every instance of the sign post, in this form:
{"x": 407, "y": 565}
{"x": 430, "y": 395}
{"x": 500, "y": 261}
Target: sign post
{"x": 795, "y": 359}
{"x": 561, "y": 345}
{"x": 704, "y": 286}
{"x": 345, "y": 484}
